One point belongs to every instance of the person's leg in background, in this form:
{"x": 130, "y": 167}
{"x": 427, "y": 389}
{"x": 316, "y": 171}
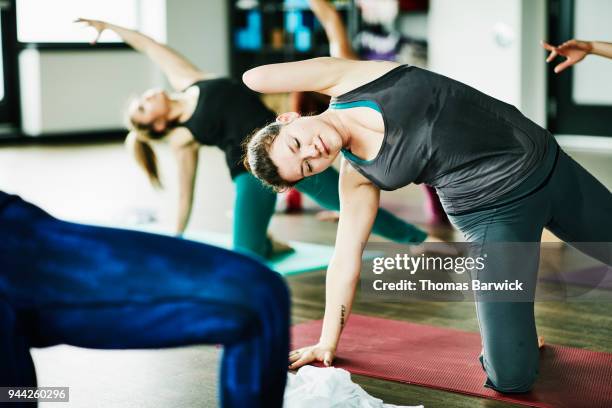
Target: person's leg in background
{"x": 65, "y": 283}
{"x": 323, "y": 189}
{"x": 253, "y": 210}
{"x": 508, "y": 331}
{"x": 581, "y": 210}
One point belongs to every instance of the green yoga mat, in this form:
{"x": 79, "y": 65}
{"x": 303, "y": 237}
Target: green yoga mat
{"x": 307, "y": 257}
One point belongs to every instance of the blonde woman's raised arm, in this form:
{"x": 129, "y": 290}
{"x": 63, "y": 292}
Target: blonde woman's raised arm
{"x": 180, "y": 72}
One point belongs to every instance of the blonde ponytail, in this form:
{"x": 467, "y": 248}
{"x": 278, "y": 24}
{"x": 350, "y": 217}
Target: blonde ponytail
{"x": 145, "y": 157}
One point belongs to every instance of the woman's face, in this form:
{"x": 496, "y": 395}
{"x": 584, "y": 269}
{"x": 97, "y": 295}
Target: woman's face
{"x": 151, "y": 109}
{"x": 304, "y": 147}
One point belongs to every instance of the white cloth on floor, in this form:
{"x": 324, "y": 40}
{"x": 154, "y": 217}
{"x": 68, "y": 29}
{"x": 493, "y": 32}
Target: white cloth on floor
{"x": 328, "y": 388}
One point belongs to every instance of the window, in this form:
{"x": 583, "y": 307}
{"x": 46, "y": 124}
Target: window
{"x": 52, "y": 21}
{"x": 9, "y": 107}
{"x": 580, "y": 97}
{"x": 592, "y": 21}
{"x": 1, "y": 65}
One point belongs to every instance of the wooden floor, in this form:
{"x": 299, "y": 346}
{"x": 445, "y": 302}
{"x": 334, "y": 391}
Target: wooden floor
{"x": 107, "y": 188}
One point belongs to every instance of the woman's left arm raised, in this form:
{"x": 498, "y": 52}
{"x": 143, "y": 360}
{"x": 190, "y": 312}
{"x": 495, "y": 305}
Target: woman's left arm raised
{"x": 328, "y": 75}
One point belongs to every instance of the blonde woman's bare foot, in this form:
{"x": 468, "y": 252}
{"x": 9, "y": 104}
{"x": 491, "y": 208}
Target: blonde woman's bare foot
{"x": 540, "y": 342}
{"x": 279, "y": 248}
{"x": 328, "y": 216}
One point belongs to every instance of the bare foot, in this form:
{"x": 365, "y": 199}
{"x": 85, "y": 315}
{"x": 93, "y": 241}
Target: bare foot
{"x": 540, "y": 341}
{"x": 278, "y": 247}
{"x": 328, "y": 216}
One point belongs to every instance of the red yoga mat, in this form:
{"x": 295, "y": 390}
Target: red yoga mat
{"x": 447, "y": 359}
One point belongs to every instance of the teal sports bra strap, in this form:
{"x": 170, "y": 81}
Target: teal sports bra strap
{"x": 355, "y": 104}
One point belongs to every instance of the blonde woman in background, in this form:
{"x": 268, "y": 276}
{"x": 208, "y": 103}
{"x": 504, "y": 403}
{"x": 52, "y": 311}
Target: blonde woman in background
{"x": 206, "y": 109}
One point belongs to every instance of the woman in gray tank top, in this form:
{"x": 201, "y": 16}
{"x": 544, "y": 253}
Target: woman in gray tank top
{"x": 501, "y": 178}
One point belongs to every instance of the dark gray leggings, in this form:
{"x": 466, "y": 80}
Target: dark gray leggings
{"x": 575, "y": 207}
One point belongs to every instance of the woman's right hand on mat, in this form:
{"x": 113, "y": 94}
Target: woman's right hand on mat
{"x": 98, "y": 25}
{"x": 307, "y": 355}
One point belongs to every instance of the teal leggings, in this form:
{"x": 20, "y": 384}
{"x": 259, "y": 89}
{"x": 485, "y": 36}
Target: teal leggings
{"x": 575, "y": 207}
{"x": 255, "y": 204}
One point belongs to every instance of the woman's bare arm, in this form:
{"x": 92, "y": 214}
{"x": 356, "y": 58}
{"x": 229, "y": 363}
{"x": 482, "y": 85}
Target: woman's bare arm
{"x": 328, "y": 75}
{"x": 180, "y": 72}
{"x": 187, "y": 158}
{"x": 321, "y": 74}
{"x": 603, "y": 49}
{"x": 359, "y": 201}
{"x": 328, "y": 16}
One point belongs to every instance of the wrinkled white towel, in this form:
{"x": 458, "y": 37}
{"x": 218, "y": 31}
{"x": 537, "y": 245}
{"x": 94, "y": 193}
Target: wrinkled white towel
{"x": 328, "y": 388}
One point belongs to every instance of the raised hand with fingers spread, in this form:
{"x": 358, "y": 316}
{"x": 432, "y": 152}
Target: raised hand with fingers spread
{"x": 97, "y": 25}
{"x": 575, "y": 51}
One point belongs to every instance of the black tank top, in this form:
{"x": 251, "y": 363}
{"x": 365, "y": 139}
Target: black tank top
{"x": 471, "y": 147}
{"x": 225, "y": 114}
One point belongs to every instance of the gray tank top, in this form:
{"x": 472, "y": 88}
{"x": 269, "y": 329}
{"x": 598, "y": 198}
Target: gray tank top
{"x": 471, "y": 147}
